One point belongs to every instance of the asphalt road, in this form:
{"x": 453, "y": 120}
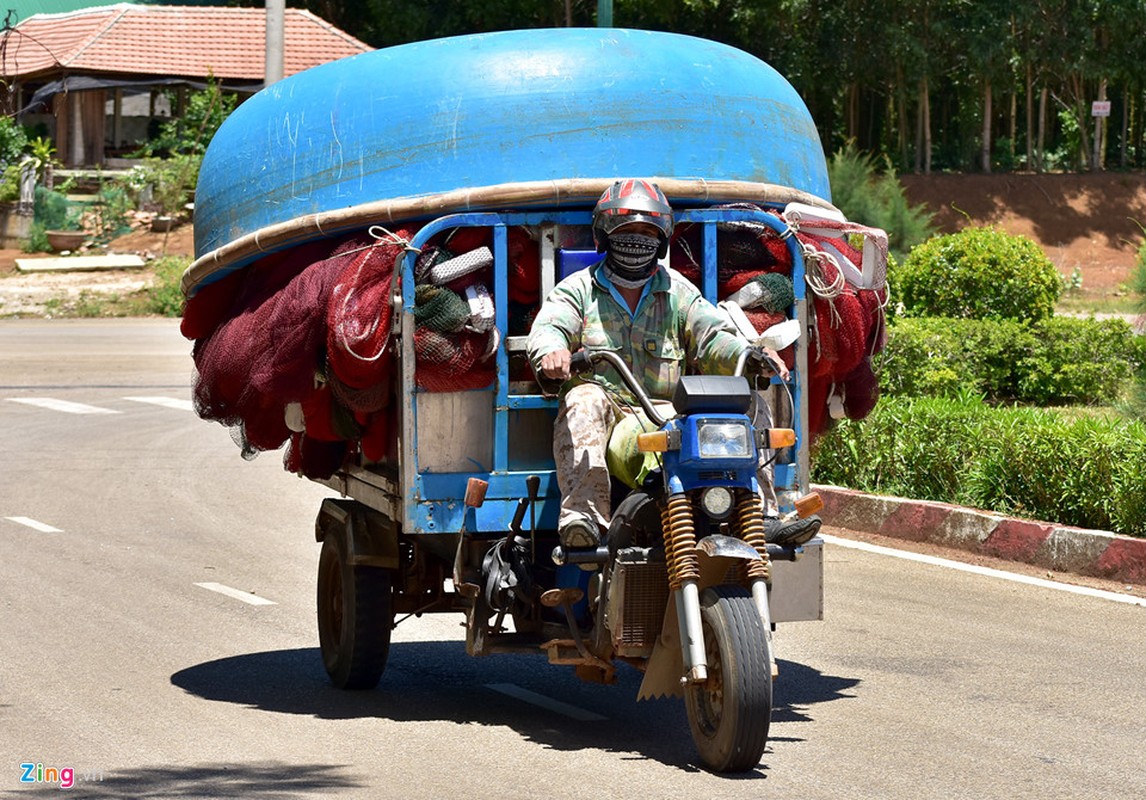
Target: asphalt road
{"x": 923, "y": 682}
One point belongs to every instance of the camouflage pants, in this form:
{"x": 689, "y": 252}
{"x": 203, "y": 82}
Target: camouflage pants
{"x": 580, "y": 436}
{"x": 585, "y": 420}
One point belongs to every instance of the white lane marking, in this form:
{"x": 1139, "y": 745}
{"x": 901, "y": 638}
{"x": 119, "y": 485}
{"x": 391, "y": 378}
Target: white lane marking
{"x": 166, "y": 402}
{"x": 42, "y": 527}
{"x": 238, "y": 594}
{"x": 515, "y": 691}
{"x": 67, "y": 406}
{"x": 986, "y": 571}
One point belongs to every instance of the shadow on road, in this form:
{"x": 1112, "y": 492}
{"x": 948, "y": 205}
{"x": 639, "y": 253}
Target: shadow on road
{"x": 436, "y": 681}
{"x": 802, "y": 686}
{"x": 263, "y": 780}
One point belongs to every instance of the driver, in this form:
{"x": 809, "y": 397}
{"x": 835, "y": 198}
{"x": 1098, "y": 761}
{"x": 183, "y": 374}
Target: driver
{"x": 658, "y": 323}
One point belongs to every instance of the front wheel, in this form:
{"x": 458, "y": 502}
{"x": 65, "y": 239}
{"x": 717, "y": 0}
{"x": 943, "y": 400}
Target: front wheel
{"x": 355, "y": 615}
{"x": 729, "y": 713}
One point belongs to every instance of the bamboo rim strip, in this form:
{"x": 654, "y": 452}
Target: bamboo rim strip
{"x": 548, "y": 194}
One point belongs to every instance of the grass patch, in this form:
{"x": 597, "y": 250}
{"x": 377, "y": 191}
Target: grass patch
{"x": 1114, "y": 303}
{"x": 1073, "y": 466}
{"x": 162, "y": 298}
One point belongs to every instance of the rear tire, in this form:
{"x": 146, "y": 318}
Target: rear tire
{"x": 730, "y": 713}
{"x": 355, "y": 615}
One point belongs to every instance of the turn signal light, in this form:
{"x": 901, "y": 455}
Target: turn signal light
{"x": 780, "y": 437}
{"x": 809, "y": 504}
{"x": 655, "y": 442}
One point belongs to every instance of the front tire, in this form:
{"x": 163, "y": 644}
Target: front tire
{"x": 355, "y": 615}
{"x": 729, "y": 714}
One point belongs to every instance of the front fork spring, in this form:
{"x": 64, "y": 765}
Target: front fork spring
{"x": 750, "y": 515}
{"x": 680, "y": 541}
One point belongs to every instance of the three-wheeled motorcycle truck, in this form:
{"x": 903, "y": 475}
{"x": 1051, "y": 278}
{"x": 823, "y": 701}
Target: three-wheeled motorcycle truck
{"x": 683, "y": 587}
{"x": 373, "y": 239}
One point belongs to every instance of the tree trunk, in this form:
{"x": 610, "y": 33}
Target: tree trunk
{"x": 1041, "y": 149}
{"x": 853, "y": 111}
{"x": 926, "y": 128}
{"x": 923, "y": 130}
{"x": 901, "y": 123}
{"x": 1125, "y": 129}
{"x": 1100, "y": 129}
{"x": 985, "y": 153}
{"x": 919, "y": 109}
{"x": 1079, "y": 91}
{"x": 1013, "y": 128}
{"x": 1030, "y": 118}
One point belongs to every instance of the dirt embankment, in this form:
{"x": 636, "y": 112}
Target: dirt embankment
{"x": 1090, "y": 222}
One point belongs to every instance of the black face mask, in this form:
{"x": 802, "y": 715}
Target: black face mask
{"x": 632, "y": 257}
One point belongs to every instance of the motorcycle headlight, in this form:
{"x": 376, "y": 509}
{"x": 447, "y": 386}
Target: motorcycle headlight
{"x": 723, "y": 440}
{"x": 716, "y": 502}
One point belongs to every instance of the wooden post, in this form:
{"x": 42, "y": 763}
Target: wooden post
{"x": 75, "y": 131}
{"x": 117, "y": 119}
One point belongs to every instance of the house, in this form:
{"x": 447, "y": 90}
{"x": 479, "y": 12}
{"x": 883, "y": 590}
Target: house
{"x": 94, "y": 79}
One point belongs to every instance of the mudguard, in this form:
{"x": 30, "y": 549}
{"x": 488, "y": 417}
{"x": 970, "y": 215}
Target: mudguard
{"x": 716, "y": 554}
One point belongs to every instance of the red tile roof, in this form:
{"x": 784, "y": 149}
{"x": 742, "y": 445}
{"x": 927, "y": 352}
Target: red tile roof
{"x": 228, "y": 43}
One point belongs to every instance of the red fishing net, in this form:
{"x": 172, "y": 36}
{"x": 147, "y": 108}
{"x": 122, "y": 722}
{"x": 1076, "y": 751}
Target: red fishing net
{"x": 524, "y": 268}
{"x": 359, "y": 325}
{"x": 298, "y": 348}
{"x": 848, "y": 325}
{"x": 861, "y": 391}
{"x": 453, "y": 362}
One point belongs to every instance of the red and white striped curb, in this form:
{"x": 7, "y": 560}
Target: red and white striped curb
{"x": 1057, "y": 547}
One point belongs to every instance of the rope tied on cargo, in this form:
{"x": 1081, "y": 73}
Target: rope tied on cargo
{"x": 361, "y": 307}
{"x": 817, "y": 277}
{"x": 383, "y": 235}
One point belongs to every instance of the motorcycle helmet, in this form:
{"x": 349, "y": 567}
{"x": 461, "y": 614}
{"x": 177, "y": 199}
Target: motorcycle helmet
{"x": 629, "y": 201}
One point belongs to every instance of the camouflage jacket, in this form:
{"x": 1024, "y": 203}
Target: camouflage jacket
{"x": 674, "y": 330}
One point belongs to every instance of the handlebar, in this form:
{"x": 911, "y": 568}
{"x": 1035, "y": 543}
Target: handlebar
{"x": 752, "y": 351}
{"x": 584, "y": 360}
{"x": 580, "y": 362}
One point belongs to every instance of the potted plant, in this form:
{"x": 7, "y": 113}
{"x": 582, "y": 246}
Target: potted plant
{"x": 71, "y": 237}
{"x": 62, "y": 222}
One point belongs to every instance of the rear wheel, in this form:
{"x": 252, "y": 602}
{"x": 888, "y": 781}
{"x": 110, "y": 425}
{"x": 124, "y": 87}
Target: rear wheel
{"x": 355, "y": 615}
{"x": 729, "y": 714}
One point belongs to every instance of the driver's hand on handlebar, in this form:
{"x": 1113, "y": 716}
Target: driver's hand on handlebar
{"x": 556, "y": 365}
{"x": 766, "y": 361}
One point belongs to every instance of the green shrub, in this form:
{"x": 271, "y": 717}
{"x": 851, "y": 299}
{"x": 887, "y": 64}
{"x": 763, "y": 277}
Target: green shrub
{"x": 37, "y": 241}
{"x": 13, "y": 140}
{"x": 109, "y": 216}
{"x": 870, "y": 198}
{"x": 190, "y": 133}
{"x": 1052, "y": 465}
{"x": 164, "y": 184}
{"x": 1138, "y": 276}
{"x": 166, "y": 298}
{"x": 1085, "y": 471}
{"x": 1079, "y": 361}
{"x": 10, "y": 184}
{"x": 1136, "y": 401}
{"x": 54, "y": 211}
{"x": 917, "y": 447}
{"x": 1056, "y": 361}
{"x": 979, "y": 273}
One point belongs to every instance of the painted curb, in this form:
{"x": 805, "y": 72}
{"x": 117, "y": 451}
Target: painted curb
{"x": 1056, "y": 547}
